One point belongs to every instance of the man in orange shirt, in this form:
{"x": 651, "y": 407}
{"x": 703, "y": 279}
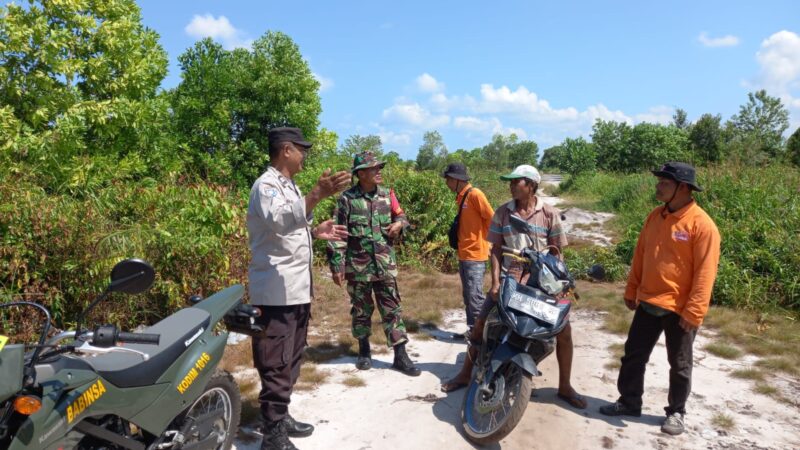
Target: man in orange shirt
{"x": 669, "y": 286}
{"x": 473, "y": 227}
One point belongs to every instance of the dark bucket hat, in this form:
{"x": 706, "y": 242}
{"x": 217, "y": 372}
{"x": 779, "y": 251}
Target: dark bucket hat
{"x": 365, "y": 160}
{"x": 457, "y": 171}
{"x": 680, "y": 172}
{"x": 287, "y": 134}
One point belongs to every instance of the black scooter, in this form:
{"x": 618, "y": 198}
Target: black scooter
{"x": 518, "y": 335}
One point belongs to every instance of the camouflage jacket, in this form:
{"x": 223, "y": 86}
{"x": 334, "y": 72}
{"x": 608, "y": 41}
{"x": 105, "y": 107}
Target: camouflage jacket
{"x": 367, "y": 255}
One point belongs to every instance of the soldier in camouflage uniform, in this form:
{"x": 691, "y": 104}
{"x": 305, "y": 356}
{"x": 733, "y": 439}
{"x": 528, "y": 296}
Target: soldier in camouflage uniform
{"x": 366, "y": 260}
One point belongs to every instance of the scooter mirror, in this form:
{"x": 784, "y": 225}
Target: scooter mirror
{"x": 132, "y": 276}
{"x": 597, "y": 272}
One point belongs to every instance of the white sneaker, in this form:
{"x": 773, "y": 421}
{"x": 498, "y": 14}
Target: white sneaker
{"x": 673, "y": 424}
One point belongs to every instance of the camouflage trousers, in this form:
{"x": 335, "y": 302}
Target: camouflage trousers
{"x": 388, "y": 299}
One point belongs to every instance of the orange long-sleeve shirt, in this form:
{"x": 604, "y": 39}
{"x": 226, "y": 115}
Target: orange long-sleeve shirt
{"x": 675, "y": 262}
{"x": 473, "y": 225}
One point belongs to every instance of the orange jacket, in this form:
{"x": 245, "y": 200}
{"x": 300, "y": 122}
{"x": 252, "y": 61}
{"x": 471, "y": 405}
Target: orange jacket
{"x": 473, "y": 225}
{"x": 675, "y": 262}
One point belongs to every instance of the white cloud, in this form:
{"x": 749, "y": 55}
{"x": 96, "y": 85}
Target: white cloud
{"x": 390, "y": 138}
{"x": 472, "y": 123}
{"x": 494, "y": 110}
{"x": 779, "y": 58}
{"x": 324, "y": 83}
{"x": 427, "y": 83}
{"x": 219, "y": 29}
{"x": 522, "y": 101}
{"x": 724, "y": 41}
{"x": 442, "y": 103}
{"x": 489, "y": 126}
{"x": 656, "y": 114}
{"x": 600, "y": 111}
{"x": 414, "y": 114}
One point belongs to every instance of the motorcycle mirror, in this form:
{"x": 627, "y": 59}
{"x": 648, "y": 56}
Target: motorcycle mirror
{"x": 131, "y": 276}
{"x": 519, "y": 224}
{"x": 597, "y": 272}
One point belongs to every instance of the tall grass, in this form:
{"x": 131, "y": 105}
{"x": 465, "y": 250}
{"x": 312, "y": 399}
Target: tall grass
{"x": 757, "y": 210}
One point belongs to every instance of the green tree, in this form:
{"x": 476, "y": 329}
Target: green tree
{"x": 432, "y": 151}
{"x": 578, "y": 156}
{"x": 78, "y": 87}
{"x": 679, "y": 119}
{"x": 551, "y": 158}
{"x": 204, "y": 104}
{"x": 356, "y": 144}
{"x": 497, "y": 153}
{"x": 523, "y": 152}
{"x": 706, "y": 138}
{"x": 611, "y": 142}
{"x": 652, "y": 145}
{"x": 246, "y": 92}
{"x": 793, "y": 148}
{"x": 762, "y": 119}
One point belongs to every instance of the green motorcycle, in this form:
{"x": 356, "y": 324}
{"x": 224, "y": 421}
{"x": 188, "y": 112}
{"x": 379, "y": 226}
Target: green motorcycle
{"x": 107, "y": 389}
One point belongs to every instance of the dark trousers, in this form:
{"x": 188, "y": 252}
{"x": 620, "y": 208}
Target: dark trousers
{"x": 642, "y": 337}
{"x": 277, "y": 354}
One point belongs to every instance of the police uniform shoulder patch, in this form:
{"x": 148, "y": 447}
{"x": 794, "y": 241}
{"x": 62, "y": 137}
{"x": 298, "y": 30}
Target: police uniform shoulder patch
{"x": 268, "y": 191}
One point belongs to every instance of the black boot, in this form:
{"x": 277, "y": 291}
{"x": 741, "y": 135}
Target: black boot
{"x": 276, "y": 437}
{"x": 297, "y": 429}
{"x": 403, "y": 363}
{"x": 364, "y": 361}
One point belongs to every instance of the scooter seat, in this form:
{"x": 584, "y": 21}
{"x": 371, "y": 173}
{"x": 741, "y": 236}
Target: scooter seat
{"x": 127, "y": 370}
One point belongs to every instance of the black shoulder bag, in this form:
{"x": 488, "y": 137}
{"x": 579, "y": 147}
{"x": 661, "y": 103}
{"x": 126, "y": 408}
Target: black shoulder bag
{"x": 452, "y": 234}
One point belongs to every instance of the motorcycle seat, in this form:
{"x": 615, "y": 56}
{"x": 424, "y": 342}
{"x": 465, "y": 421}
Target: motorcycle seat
{"x": 126, "y": 370}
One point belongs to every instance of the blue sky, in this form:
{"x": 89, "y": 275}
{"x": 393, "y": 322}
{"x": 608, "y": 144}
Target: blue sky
{"x": 542, "y": 70}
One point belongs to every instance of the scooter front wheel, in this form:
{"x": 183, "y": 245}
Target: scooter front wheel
{"x": 489, "y": 414}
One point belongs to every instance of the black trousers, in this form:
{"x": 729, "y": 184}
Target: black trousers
{"x": 642, "y": 337}
{"x": 277, "y": 355}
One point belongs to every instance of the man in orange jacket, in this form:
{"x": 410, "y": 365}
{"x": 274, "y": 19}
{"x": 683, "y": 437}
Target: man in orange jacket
{"x": 669, "y": 286}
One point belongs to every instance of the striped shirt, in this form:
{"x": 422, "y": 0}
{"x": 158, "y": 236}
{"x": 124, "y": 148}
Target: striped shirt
{"x": 541, "y": 230}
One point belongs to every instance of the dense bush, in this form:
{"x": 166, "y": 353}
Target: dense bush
{"x": 757, "y": 211}
{"x": 59, "y": 250}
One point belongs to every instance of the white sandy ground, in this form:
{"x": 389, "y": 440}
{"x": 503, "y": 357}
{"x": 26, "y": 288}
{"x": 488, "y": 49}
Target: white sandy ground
{"x": 399, "y": 412}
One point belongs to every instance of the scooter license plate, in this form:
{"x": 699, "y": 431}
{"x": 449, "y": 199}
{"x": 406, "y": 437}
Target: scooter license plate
{"x": 535, "y": 308}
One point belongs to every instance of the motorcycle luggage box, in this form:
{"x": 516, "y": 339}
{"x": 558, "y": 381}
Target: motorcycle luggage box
{"x": 11, "y": 365}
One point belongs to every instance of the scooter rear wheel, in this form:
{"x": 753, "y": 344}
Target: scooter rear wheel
{"x": 490, "y": 416}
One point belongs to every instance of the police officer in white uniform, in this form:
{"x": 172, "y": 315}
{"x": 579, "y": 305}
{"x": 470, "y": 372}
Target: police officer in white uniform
{"x": 279, "y": 220}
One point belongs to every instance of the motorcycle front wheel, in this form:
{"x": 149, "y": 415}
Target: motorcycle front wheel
{"x": 220, "y": 399}
{"x": 489, "y": 416}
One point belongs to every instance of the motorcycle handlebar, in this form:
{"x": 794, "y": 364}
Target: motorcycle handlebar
{"x": 511, "y": 250}
{"x": 139, "y": 338}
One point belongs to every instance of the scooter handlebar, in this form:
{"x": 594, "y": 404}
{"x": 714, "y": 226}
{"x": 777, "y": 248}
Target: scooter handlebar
{"x": 511, "y": 250}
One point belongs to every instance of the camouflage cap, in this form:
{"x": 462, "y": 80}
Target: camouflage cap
{"x": 365, "y": 160}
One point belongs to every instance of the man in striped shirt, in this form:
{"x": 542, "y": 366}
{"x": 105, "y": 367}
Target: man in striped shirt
{"x": 536, "y": 225}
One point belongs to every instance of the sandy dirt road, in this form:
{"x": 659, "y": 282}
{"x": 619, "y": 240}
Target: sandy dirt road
{"x": 398, "y": 412}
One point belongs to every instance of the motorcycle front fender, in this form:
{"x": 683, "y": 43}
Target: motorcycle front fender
{"x": 505, "y": 352}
